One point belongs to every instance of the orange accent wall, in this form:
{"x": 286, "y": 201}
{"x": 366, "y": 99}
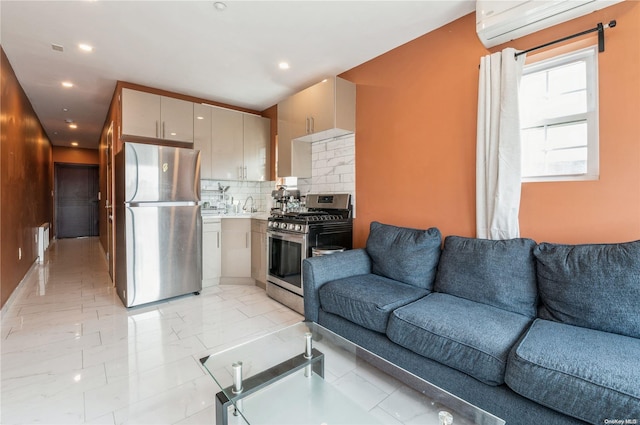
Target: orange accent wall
{"x": 416, "y": 135}
{"x": 25, "y": 181}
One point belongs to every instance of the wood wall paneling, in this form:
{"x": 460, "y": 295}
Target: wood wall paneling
{"x": 26, "y": 181}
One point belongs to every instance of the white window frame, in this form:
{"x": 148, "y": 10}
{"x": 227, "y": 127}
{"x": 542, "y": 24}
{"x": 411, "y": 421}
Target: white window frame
{"x": 590, "y": 56}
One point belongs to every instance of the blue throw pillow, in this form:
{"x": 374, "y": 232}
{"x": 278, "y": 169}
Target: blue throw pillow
{"x": 595, "y": 286}
{"x": 500, "y": 273}
{"x": 403, "y": 254}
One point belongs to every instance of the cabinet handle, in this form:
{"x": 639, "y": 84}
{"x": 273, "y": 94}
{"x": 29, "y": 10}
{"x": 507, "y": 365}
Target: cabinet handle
{"x": 313, "y": 124}
{"x": 245, "y": 172}
{"x": 157, "y": 129}
{"x": 218, "y": 239}
{"x": 163, "y": 132}
{"x": 306, "y": 125}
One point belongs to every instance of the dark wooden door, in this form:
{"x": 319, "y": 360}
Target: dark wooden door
{"x": 76, "y": 200}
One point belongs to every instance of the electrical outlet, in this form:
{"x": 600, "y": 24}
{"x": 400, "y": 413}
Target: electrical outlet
{"x": 19, "y": 253}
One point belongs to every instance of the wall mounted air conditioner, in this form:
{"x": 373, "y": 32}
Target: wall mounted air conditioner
{"x": 500, "y": 21}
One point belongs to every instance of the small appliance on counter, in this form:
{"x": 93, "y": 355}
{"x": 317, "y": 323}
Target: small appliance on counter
{"x": 285, "y": 200}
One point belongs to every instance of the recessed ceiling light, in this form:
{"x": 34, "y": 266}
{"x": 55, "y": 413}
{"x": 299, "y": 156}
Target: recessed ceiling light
{"x": 85, "y": 47}
{"x": 73, "y": 125}
{"x": 283, "y": 65}
{"x": 67, "y": 84}
{"x": 220, "y": 5}
{"x": 65, "y": 109}
{"x": 74, "y": 143}
{"x": 199, "y": 118}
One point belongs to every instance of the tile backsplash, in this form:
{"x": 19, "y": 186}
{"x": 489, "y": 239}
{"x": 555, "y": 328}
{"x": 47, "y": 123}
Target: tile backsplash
{"x": 239, "y": 191}
{"x": 333, "y": 170}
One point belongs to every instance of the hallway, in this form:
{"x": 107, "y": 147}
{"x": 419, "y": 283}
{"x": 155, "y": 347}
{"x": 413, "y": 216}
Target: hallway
{"x": 72, "y": 353}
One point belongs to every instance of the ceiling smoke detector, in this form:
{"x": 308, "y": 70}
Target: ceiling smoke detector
{"x": 57, "y": 47}
{"x": 220, "y": 5}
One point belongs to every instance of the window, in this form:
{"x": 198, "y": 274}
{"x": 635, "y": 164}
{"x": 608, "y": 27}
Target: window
{"x": 559, "y": 118}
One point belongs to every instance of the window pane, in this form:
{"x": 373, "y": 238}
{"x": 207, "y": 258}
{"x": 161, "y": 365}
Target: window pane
{"x": 555, "y": 150}
{"x": 558, "y": 112}
{"x": 567, "y": 135}
{"x": 568, "y": 78}
{"x": 533, "y": 152}
{"x": 567, "y": 161}
{"x": 567, "y": 104}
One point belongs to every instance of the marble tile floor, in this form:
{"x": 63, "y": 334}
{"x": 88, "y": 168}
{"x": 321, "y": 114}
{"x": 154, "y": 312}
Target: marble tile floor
{"x": 72, "y": 353}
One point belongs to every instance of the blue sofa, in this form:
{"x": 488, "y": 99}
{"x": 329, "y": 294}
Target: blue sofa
{"x": 533, "y": 333}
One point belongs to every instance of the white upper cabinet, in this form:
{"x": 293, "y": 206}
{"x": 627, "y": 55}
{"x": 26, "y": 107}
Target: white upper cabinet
{"x": 233, "y": 145}
{"x": 325, "y": 110}
{"x": 202, "y": 138}
{"x": 176, "y": 116}
{"x": 320, "y": 112}
{"x": 257, "y": 137}
{"x": 151, "y": 115}
{"x": 227, "y": 144}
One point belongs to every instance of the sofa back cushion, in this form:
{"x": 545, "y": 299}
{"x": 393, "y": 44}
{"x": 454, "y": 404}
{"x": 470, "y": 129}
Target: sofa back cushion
{"x": 595, "y": 286}
{"x": 403, "y": 254}
{"x": 500, "y": 273}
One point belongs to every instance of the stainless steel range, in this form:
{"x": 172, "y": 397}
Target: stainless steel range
{"x": 325, "y": 224}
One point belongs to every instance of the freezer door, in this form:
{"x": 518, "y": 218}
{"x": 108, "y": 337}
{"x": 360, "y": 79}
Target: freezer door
{"x": 163, "y": 253}
{"x": 161, "y": 174}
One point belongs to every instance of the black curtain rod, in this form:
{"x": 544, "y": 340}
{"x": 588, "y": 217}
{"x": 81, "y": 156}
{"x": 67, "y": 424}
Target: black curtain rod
{"x": 600, "y": 28}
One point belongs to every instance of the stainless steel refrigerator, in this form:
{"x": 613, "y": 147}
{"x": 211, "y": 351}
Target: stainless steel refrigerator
{"x": 158, "y": 223}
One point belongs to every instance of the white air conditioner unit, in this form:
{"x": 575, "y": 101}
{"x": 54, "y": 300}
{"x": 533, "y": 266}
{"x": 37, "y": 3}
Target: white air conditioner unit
{"x": 499, "y": 21}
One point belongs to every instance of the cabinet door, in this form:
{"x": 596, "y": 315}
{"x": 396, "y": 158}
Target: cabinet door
{"x": 283, "y": 139}
{"x": 202, "y": 138}
{"x": 236, "y": 248}
{"x": 211, "y": 254}
{"x": 227, "y": 144}
{"x": 257, "y": 134}
{"x": 140, "y": 113}
{"x": 321, "y": 106}
{"x": 294, "y": 156}
{"x": 259, "y": 250}
{"x": 177, "y": 119}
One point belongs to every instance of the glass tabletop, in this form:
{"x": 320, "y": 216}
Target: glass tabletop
{"x": 306, "y": 374}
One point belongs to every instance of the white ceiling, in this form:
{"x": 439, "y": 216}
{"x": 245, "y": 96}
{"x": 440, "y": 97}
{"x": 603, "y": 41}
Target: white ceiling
{"x": 190, "y": 47}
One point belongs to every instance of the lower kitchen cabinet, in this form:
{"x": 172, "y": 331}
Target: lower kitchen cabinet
{"x": 211, "y": 252}
{"x": 236, "y": 252}
{"x": 259, "y": 251}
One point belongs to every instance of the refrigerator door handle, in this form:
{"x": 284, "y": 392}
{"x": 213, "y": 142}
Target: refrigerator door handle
{"x": 161, "y": 204}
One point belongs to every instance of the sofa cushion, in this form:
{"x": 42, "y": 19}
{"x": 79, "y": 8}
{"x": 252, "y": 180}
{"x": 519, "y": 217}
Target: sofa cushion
{"x": 594, "y": 286}
{"x": 367, "y": 300}
{"x": 500, "y": 273}
{"x": 471, "y": 337}
{"x": 584, "y": 373}
{"x": 407, "y": 255}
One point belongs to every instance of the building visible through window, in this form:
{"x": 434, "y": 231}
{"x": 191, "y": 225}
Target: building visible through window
{"x": 559, "y": 118}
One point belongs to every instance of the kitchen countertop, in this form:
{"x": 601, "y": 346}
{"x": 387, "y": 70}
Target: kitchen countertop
{"x": 215, "y": 215}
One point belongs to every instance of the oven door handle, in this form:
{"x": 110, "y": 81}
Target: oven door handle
{"x": 286, "y": 237}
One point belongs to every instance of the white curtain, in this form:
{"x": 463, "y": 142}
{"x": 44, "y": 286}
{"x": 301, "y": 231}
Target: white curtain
{"x": 498, "y": 146}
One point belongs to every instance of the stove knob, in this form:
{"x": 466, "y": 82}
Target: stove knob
{"x": 283, "y": 226}
{"x": 298, "y": 227}
{"x": 276, "y": 225}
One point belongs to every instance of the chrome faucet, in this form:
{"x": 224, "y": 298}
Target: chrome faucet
{"x": 244, "y": 207}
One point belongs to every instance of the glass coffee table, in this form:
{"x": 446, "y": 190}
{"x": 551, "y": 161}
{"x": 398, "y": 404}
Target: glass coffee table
{"x": 306, "y": 374}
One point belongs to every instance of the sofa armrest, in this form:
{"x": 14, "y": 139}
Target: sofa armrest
{"x": 319, "y": 270}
